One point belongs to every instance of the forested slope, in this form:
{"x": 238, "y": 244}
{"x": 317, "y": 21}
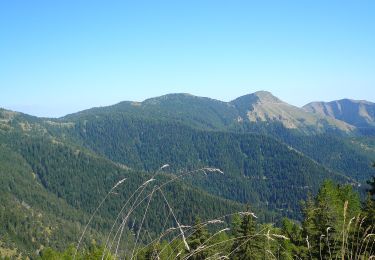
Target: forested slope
{"x": 49, "y": 189}
{"x": 257, "y": 169}
{"x": 55, "y": 172}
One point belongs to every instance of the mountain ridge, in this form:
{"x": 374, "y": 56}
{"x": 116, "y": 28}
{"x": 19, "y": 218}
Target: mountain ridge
{"x": 360, "y": 113}
{"x": 78, "y": 157}
{"x": 208, "y": 113}
{"x": 263, "y": 106}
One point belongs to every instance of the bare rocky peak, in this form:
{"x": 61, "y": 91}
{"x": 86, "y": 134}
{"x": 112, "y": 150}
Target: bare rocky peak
{"x": 359, "y": 113}
{"x": 266, "y": 97}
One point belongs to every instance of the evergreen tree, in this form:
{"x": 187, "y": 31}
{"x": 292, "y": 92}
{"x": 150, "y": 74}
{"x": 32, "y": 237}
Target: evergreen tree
{"x": 296, "y": 246}
{"x": 326, "y": 219}
{"x": 372, "y": 184}
{"x": 196, "y": 240}
{"x": 152, "y": 252}
{"x": 369, "y": 209}
{"x": 248, "y": 243}
{"x": 369, "y": 206}
{"x": 236, "y": 225}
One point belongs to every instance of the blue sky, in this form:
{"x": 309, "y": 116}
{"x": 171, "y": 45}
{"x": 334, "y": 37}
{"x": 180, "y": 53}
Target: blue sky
{"x": 58, "y": 57}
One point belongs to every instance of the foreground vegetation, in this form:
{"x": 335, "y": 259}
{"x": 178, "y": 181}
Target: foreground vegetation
{"x": 54, "y": 173}
{"x": 335, "y": 226}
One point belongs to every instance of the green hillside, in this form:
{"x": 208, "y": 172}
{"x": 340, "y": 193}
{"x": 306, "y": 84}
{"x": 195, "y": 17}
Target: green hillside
{"x": 210, "y": 114}
{"x": 307, "y": 136}
{"x": 257, "y": 168}
{"x": 50, "y": 188}
{"x": 199, "y": 112}
{"x": 55, "y": 172}
{"x": 31, "y": 216}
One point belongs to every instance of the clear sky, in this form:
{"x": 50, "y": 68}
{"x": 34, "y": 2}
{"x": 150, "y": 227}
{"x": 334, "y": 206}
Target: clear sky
{"x": 58, "y": 57}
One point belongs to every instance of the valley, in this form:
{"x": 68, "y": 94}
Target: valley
{"x": 270, "y": 156}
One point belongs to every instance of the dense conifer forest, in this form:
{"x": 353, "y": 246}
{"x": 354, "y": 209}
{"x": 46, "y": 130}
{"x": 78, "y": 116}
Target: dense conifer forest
{"x": 187, "y": 130}
{"x": 159, "y": 180}
{"x": 335, "y": 225}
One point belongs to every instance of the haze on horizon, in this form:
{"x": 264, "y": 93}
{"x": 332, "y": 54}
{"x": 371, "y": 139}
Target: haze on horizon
{"x": 62, "y": 57}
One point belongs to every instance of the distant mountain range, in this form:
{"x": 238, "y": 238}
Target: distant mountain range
{"x": 259, "y": 107}
{"x": 263, "y": 106}
{"x": 359, "y": 113}
{"x": 272, "y": 155}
